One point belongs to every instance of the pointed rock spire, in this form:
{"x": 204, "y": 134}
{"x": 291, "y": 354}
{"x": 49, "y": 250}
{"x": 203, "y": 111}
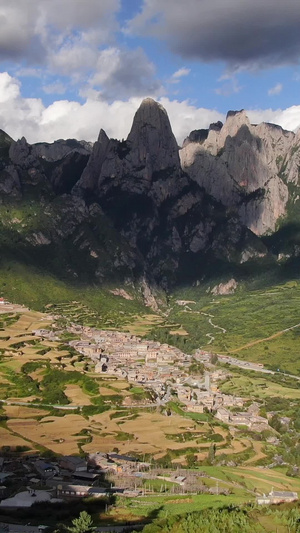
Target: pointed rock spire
{"x": 151, "y": 138}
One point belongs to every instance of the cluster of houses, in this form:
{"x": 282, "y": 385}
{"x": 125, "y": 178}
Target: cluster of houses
{"x": 99, "y": 475}
{"x": 275, "y": 497}
{"x": 165, "y": 370}
{"x": 67, "y": 477}
{"x": 249, "y": 418}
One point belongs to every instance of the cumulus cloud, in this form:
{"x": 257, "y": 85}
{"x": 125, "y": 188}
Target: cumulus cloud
{"x": 126, "y": 73}
{"x": 185, "y": 117}
{"x": 74, "y": 39}
{"x": 64, "y": 119}
{"x": 29, "y": 117}
{"x": 18, "y": 30}
{"x": 244, "y": 34}
{"x": 276, "y": 89}
{"x": 288, "y": 119}
{"x": 31, "y": 28}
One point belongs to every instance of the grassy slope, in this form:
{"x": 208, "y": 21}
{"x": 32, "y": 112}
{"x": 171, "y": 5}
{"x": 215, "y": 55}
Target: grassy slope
{"x": 249, "y": 315}
{"x": 21, "y": 283}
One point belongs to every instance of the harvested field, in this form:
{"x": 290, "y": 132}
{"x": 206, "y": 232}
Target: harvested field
{"x": 120, "y": 385}
{"x": 21, "y": 411}
{"x": 55, "y": 433}
{"x": 8, "y": 439}
{"x": 37, "y": 375}
{"x": 259, "y": 454}
{"x": 141, "y": 325}
{"x": 76, "y": 395}
{"x": 26, "y": 399}
{"x": 237, "y": 446}
{"x": 149, "y": 430}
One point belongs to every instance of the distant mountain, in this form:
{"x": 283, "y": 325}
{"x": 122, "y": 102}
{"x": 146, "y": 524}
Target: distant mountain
{"x": 142, "y": 210}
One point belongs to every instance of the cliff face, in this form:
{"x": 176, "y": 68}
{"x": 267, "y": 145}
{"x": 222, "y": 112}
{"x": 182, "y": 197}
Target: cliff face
{"x": 141, "y": 209}
{"x": 156, "y": 206}
{"x": 240, "y": 165}
{"x": 42, "y": 224}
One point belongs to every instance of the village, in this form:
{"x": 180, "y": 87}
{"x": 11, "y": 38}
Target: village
{"x": 166, "y": 372}
{"x": 103, "y": 476}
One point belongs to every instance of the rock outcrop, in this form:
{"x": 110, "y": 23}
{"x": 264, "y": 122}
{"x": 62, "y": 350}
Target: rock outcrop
{"x": 157, "y": 207}
{"x": 225, "y": 288}
{"x": 138, "y": 209}
{"x": 239, "y": 164}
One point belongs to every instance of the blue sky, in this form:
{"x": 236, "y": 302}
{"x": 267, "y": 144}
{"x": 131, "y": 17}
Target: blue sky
{"x": 70, "y": 67}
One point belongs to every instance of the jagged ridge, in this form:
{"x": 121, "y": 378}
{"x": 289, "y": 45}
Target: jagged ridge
{"x": 128, "y": 209}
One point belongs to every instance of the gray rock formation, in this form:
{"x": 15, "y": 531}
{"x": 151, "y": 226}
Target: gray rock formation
{"x": 240, "y": 165}
{"x": 128, "y": 209}
{"x": 150, "y": 151}
{"x": 59, "y": 149}
{"x": 157, "y": 208}
{"x": 225, "y": 288}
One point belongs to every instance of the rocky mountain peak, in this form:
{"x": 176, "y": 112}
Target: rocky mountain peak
{"x": 216, "y": 126}
{"x": 246, "y": 167}
{"x": 20, "y": 153}
{"x": 196, "y": 136}
{"x": 234, "y": 122}
{"x": 102, "y": 137}
{"x": 139, "y": 213}
{"x": 152, "y": 141}
{"x": 147, "y": 162}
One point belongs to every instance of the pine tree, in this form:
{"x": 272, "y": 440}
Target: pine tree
{"x": 82, "y": 524}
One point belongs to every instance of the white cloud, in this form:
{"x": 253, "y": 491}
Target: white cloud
{"x": 72, "y": 58}
{"x": 179, "y": 74}
{"x": 74, "y": 39}
{"x": 64, "y": 119}
{"x": 275, "y": 90}
{"x": 30, "y": 28}
{"x": 124, "y": 73}
{"x": 185, "y": 117}
{"x": 9, "y": 88}
{"x": 288, "y": 119}
{"x": 69, "y": 119}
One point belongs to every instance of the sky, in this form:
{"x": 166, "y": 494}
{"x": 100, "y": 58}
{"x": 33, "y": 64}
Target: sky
{"x": 71, "y": 67}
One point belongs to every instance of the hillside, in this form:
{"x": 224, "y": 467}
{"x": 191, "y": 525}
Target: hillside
{"x": 162, "y": 223}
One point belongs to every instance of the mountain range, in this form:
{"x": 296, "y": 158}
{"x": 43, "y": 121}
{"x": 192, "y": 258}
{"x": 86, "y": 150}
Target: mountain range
{"x": 144, "y": 210}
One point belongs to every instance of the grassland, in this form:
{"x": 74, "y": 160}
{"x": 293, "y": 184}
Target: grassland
{"x": 232, "y": 324}
{"x": 242, "y": 483}
{"x": 257, "y": 387}
{"x": 250, "y": 323}
{"x": 87, "y": 304}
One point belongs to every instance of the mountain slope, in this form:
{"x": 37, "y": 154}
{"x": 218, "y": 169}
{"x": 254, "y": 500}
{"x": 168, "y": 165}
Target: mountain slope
{"x": 158, "y": 208}
{"x": 129, "y": 211}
